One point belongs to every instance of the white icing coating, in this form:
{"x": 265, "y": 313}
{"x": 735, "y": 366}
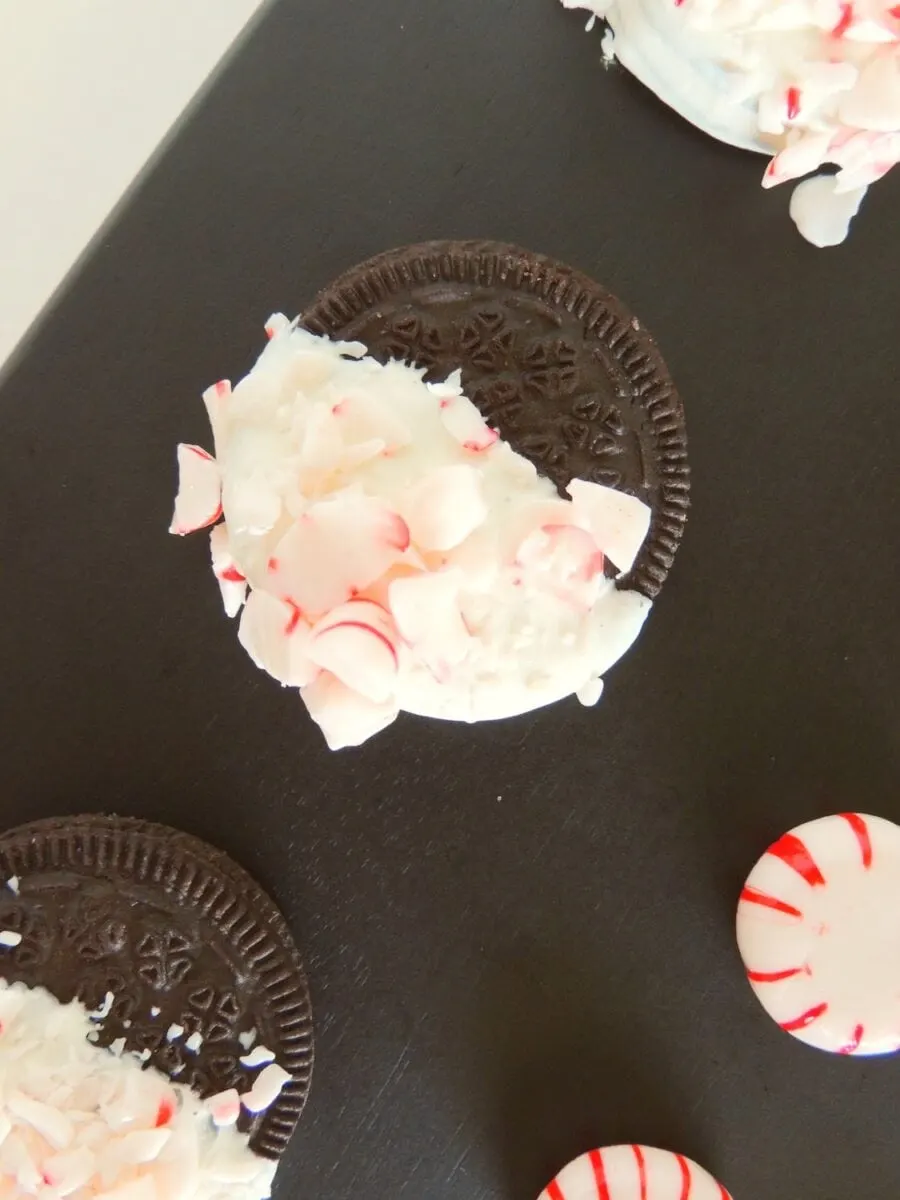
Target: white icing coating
{"x": 651, "y": 42}
{"x": 84, "y": 1123}
{"x": 390, "y": 552}
{"x": 811, "y": 82}
{"x": 633, "y": 1173}
{"x": 818, "y": 928}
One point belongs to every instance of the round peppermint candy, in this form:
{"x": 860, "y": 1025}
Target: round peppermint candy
{"x": 818, "y": 927}
{"x": 633, "y": 1173}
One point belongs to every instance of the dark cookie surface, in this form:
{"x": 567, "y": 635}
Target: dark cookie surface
{"x": 161, "y": 920}
{"x": 554, "y": 362}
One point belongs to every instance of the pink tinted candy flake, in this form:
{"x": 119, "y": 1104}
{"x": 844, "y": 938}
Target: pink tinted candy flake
{"x": 818, "y": 927}
{"x": 633, "y": 1173}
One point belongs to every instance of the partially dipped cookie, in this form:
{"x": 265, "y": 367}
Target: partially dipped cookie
{"x": 387, "y": 549}
{"x": 156, "y": 1036}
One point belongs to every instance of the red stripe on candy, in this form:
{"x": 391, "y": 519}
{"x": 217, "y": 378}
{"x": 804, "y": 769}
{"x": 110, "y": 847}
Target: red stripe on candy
{"x": 861, "y": 829}
{"x": 295, "y": 618}
{"x": 805, "y": 1019}
{"x": 596, "y": 1159}
{"x": 791, "y": 850}
{"x": 775, "y": 976}
{"x": 642, "y": 1170}
{"x": 752, "y": 896}
{"x": 854, "y": 1043}
{"x": 793, "y": 103}
{"x": 845, "y": 22}
{"x": 685, "y": 1177}
{"x": 385, "y": 641}
{"x": 232, "y": 575}
{"x": 554, "y": 1191}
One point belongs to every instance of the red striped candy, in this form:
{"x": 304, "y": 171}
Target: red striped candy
{"x": 633, "y": 1173}
{"x": 818, "y": 927}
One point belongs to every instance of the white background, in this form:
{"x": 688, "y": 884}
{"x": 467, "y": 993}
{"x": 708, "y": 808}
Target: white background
{"x": 88, "y": 89}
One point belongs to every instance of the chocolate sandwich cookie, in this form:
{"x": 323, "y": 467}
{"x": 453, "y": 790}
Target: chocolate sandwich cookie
{"x": 172, "y": 943}
{"x": 554, "y": 362}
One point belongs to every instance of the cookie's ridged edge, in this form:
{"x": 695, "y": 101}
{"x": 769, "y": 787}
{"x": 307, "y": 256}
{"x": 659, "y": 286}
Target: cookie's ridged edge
{"x": 157, "y": 854}
{"x": 604, "y": 317}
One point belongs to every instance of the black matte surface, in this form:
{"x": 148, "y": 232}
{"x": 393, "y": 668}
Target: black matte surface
{"x": 519, "y": 937}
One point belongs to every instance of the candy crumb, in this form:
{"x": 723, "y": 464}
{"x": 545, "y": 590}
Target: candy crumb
{"x": 258, "y": 1057}
{"x": 266, "y": 1088}
{"x": 101, "y": 1013}
{"x": 224, "y": 1108}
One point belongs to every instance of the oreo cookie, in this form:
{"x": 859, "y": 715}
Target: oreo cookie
{"x": 554, "y": 362}
{"x": 180, "y": 935}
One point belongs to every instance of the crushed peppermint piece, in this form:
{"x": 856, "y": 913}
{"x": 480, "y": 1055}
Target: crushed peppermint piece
{"x": 225, "y": 1107}
{"x": 174, "y": 1032}
{"x": 101, "y": 1013}
{"x": 247, "y": 1038}
{"x": 155, "y": 1011}
{"x": 83, "y": 1123}
{"x": 401, "y": 555}
{"x": 194, "y": 1042}
{"x": 117, "y": 1047}
{"x": 266, "y": 1088}
{"x": 10, "y": 938}
{"x": 810, "y": 83}
{"x": 13, "y": 883}
{"x": 258, "y": 1057}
